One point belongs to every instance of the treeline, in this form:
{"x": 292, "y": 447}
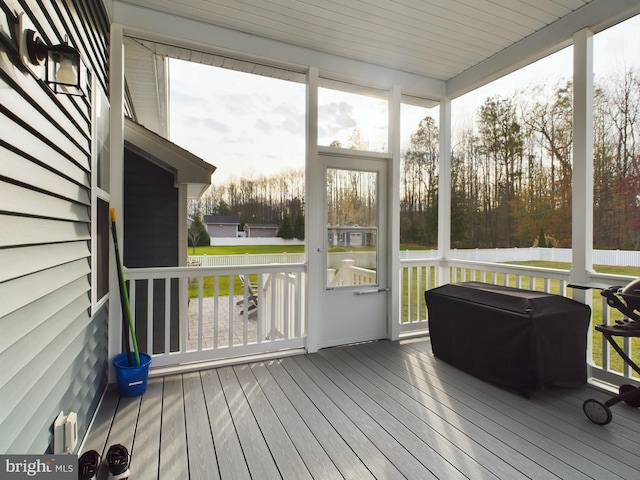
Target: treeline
{"x": 277, "y": 199}
{"x": 511, "y": 171}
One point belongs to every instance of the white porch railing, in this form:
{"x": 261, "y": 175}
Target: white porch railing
{"x": 420, "y": 275}
{"x": 199, "y": 314}
{"x": 349, "y": 274}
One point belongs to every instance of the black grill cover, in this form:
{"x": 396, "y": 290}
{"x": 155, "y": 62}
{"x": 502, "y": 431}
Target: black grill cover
{"x": 513, "y": 337}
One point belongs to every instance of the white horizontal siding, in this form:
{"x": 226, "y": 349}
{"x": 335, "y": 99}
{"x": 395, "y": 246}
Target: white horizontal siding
{"x": 29, "y": 144}
{"x": 24, "y": 290}
{"x": 73, "y": 144}
{"x": 23, "y": 322}
{"x": 52, "y": 352}
{"x": 40, "y": 177}
{"x": 17, "y": 262}
{"x": 19, "y": 231}
{"x": 41, "y": 204}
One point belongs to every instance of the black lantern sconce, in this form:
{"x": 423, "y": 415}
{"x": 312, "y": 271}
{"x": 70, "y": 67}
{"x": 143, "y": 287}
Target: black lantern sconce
{"x": 64, "y": 71}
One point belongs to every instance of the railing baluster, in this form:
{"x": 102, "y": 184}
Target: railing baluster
{"x": 272, "y": 313}
{"x": 216, "y": 311}
{"x": 150, "y": 315}
{"x": 285, "y": 316}
{"x": 167, "y": 316}
{"x": 200, "y": 311}
{"x": 231, "y": 304}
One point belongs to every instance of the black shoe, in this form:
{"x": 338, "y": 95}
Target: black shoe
{"x": 118, "y": 462}
{"x": 88, "y": 464}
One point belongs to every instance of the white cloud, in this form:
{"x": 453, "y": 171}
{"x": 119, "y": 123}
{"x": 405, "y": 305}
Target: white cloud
{"x": 240, "y": 123}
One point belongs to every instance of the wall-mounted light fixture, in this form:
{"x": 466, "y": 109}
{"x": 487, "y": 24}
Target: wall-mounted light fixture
{"x": 63, "y": 68}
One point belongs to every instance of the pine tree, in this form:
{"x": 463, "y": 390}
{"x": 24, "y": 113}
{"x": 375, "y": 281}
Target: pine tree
{"x": 298, "y": 226}
{"x": 285, "y": 231}
{"x": 198, "y": 236}
{"x": 542, "y": 242}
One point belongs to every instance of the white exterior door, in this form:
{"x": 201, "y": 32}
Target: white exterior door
{"x": 353, "y": 297}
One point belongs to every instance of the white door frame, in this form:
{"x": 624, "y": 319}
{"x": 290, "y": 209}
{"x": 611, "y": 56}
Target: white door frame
{"x": 354, "y": 313}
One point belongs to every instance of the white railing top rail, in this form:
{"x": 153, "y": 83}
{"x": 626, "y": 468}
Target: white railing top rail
{"x": 420, "y": 262}
{"x": 610, "y": 279}
{"x": 185, "y": 272}
{"x": 621, "y": 258}
{"x": 551, "y": 273}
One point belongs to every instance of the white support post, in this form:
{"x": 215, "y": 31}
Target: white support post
{"x": 313, "y": 245}
{"x": 444, "y": 192}
{"x": 393, "y": 212}
{"x": 582, "y": 177}
{"x": 116, "y": 87}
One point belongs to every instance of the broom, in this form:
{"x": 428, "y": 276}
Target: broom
{"x": 127, "y": 318}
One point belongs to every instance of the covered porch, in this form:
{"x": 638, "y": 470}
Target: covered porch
{"x": 145, "y": 34}
{"x": 383, "y": 407}
{"x": 385, "y": 410}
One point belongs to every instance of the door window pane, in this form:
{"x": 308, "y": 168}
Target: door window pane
{"x": 352, "y": 227}
{"x": 353, "y": 120}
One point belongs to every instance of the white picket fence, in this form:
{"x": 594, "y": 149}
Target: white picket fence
{"x": 245, "y": 259}
{"x": 620, "y": 258}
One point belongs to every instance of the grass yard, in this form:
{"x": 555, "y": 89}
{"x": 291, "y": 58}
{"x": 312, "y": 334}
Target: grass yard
{"x": 223, "y": 283}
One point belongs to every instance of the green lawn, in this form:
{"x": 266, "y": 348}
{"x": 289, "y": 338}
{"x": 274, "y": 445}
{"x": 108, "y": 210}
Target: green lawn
{"x": 224, "y": 282}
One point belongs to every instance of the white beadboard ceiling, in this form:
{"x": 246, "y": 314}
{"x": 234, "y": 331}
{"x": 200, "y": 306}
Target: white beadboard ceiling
{"x": 459, "y": 43}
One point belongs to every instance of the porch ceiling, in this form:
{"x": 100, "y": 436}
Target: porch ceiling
{"x": 461, "y": 42}
{"x": 430, "y": 48}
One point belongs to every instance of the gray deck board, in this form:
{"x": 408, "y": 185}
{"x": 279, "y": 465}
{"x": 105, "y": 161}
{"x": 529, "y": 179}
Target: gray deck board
{"x": 416, "y": 459}
{"x": 521, "y": 417}
{"x": 524, "y": 418}
{"x": 363, "y": 446}
{"x": 334, "y": 445}
{"x": 146, "y": 444}
{"x": 173, "y": 447}
{"x": 475, "y": 435}
{"x": 231, "y": 461}
{"x": 256, "y": 451}
{"x": 446, "y": 441}
{"x": 494, "y": 428}
{"x": 385, "y": 410}
{"x": 202, "y": 457}
{"x": 317, "y": 461}
{"x": 282, "y": 448}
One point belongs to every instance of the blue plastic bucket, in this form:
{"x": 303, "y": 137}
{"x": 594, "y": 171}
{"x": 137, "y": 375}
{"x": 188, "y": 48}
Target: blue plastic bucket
{"x": 132, "y": 381}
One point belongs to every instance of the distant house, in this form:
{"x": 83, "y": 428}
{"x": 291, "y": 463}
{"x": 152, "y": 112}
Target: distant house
{"x": 260, "y": 230}
{"x": 221, "y": 226}
{"x": 352, "y": 236}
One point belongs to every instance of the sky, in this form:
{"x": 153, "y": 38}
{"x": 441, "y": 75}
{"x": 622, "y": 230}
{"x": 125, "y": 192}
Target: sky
{"x": 248, "y": 125}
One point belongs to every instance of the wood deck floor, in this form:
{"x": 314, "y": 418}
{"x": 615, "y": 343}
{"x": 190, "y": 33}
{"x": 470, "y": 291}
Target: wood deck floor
{"x": 385, "y": 410}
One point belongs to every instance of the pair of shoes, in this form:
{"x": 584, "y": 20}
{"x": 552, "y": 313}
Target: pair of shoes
{"x": 118, "y": 462}
{"x": 88, "y": 464}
